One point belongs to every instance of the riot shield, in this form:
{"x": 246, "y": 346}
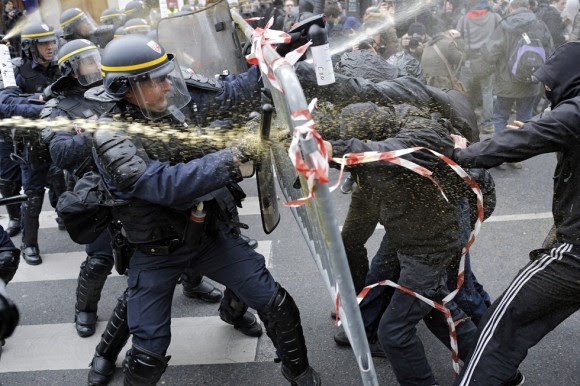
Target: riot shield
{"x": 316, "y": 219}
{"x": 204, "y": 40}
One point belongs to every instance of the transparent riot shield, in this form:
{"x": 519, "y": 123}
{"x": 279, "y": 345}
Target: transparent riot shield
{"x": 204, "y": 40}
{"x": 316, "y": 219}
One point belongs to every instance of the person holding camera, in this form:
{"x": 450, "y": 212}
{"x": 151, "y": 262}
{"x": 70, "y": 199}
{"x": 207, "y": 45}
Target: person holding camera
{"x": 10, "y": 17}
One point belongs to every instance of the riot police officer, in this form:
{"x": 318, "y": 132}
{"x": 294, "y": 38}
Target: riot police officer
{"x": 136, "y": 26}
{"x": 112, "y": 16}
{"x": 38, "y": 70}
{"x": 164, "y": 187}
{"x": 136, "y": 9}
{"x": 77, "y": 24}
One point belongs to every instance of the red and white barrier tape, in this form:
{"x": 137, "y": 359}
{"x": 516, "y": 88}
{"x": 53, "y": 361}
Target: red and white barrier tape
{"x": 266, "y": 36}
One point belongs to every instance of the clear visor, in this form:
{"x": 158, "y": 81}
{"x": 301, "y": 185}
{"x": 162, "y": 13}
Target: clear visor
{"x": 83, "y": 27}
{"x": 44, "y": 52}
{"x": 159, "y": 92}
{"x": 87, "y": 67}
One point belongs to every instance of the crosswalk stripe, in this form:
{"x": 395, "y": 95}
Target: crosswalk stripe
{"x": 65, "y": 266}
{"x": 195, "y": 341}
{"x": 47, "y": 219}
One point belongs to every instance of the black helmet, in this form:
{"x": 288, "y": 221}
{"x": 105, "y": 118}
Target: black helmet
{"x": 38, "y": 32}
{"x": 136, "y": 26}
{"x": 139, "y": 64}
{"x": 135, "y": 9}
{"x": 77, "y": 24}
{"x": 112, "y": 16}
{"x": 80, "y": 57}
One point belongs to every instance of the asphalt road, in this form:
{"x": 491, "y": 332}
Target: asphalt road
{"x": 47, "y": 304}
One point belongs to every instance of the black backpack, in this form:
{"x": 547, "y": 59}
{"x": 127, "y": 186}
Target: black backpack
{"x": 86, "y": 210}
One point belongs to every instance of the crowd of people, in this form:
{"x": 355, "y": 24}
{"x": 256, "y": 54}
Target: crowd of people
{"x": 408, "y": 74}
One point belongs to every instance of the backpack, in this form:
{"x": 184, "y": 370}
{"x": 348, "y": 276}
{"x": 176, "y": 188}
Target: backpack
{"x": 85, "y": 211}
{"x": 526, "y": 56}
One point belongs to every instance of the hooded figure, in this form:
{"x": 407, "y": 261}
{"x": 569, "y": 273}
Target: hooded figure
{"x": 545, "y": 292}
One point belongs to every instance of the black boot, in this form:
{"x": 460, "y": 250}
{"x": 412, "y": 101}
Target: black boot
{"x": 143, "y": 368}
{"x": 112, "y": 342}
{"x": 30, "y": 212}
{"x": 9, "y": 261}
{"x": 92, "y": 277}
{"x": 8, "y": 189}
{"x": 195, "y": 287}
{"x": 233, "y": 311}
{"x": 281, "y": 318}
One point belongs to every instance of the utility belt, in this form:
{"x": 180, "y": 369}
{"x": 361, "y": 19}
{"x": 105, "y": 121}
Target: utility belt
{"x": 160, "y": 248}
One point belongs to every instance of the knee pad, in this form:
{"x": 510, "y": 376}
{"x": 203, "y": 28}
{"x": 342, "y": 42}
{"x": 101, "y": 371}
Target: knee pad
{"x": 281, "y": 318}
{"x": 9, "y": 260}
{"x": 142, "y": 367}
{"x": 33, "y": 206}
{"x": 97, "y": 266}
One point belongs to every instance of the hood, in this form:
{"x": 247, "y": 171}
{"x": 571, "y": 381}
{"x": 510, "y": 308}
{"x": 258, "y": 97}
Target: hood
{"x": 518, "y": 20}
{"x": 561, "y": 74}
{"x": 480, "y": 17}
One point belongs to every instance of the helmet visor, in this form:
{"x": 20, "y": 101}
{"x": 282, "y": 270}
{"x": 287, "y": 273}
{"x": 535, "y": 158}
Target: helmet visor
{"x": 83, "y": 27}
{"x": 87, "y": 67}
{"x": 160, "y": 91}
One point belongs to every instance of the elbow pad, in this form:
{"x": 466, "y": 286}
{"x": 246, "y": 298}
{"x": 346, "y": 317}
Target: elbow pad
{"x": 120, "y": 158}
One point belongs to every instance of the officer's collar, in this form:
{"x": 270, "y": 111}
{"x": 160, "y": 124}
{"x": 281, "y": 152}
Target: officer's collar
{"x": 35, "y": 64}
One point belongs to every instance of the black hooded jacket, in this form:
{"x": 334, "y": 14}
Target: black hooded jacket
{"x": 555, "y": 131}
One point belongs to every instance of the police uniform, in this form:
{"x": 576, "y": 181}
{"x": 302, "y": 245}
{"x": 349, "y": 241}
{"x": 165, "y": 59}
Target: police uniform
{"x": 157, "y": 219}
{"x": 32, "y": 77}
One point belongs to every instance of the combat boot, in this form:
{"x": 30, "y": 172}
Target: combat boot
{"x": 195, "y": 287}
{"x": 30, "y": 212}
{"x": 233, "y": 311}
{"x": 8, "y": 189}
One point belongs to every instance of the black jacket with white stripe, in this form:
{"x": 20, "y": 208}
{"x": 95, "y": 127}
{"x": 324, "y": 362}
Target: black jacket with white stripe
{"x": 555, "y": 131}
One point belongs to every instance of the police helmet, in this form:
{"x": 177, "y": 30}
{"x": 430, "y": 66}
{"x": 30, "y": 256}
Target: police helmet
{"x": 119, "y": 32}
{"x": 135, "y": 9}
{"x": 135, "y": 67}
{"x": 80, "y": 57}
{"x": 112, "y": 16}
{"x": 39, "y": 33}
{"x": 136, "y": 26}
{"x": 77, "y": 24}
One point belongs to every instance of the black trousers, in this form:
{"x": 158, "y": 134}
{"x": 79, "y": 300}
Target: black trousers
{"x": 543, "y": 294}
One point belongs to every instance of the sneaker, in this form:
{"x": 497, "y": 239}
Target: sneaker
{"x": 517, "y": 380}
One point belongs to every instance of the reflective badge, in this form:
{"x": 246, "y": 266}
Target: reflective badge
{"x": 154, "y": 46}
{"x": 77, "y": 128}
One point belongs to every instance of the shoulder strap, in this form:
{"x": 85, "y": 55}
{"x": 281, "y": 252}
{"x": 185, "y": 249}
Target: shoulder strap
{"x": 452, "y": 75}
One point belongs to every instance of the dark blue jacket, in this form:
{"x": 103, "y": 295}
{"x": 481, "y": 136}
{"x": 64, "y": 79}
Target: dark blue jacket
{"x": 12, "y": 104}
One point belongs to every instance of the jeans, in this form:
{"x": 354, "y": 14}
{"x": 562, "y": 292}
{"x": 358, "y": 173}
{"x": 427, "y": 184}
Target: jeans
{"x": 503, "y": 108}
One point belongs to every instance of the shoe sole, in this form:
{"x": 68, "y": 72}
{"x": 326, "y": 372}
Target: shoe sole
{"x": 38, "y": 262}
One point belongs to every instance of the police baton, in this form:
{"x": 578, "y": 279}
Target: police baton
{"x": 13, "y": 199}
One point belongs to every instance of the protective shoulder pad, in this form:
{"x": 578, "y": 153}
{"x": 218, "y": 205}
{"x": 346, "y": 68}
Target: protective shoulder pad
{"x": 121, "y": 159}
{"x": 98, "y": 94}
{"x": 201, "y": 82}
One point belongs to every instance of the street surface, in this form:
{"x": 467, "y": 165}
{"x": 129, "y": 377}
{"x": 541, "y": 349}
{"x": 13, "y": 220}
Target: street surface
{"x": 45, "y": 349}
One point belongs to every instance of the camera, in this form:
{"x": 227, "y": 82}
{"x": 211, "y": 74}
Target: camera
{"x": 414, "y": 41}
